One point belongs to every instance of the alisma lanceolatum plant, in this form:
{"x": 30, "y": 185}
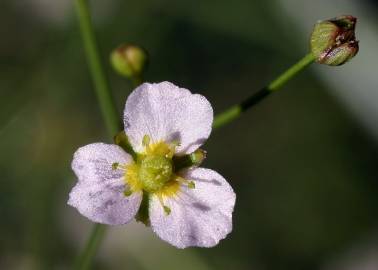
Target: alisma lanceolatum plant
{"x": 152, "y": 170}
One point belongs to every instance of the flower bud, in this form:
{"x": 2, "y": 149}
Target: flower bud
{"x": 129, "y": 60}
{"x": 333, "y": 42}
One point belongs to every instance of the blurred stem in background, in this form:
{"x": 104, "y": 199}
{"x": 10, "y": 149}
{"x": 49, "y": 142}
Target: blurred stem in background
{"x": 101, "y": 84}
{"x": 108, "y": 109}
{"x": 111, "y": 116}
{"x": 235, "y": 111}
{"x": 84, "y": 261}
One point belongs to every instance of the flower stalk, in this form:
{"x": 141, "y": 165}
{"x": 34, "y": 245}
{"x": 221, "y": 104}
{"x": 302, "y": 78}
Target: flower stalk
{"x": 108, "y": 109}
{"x": 100, "y": 81}
{"x": 235, "y": 111}
{"x": 84, "y": 261}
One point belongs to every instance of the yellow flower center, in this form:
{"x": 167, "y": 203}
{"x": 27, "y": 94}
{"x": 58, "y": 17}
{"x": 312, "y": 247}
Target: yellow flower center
{"x": 153, "y": 170}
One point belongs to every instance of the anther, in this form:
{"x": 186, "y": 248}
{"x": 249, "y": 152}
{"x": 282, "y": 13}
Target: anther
{"x": 146, "y": 140}
{"x": 189, "y": 184}
{"x": 115, "y": 166}
{"x": 167, "y": 210}
{"x": 127, "y": 192}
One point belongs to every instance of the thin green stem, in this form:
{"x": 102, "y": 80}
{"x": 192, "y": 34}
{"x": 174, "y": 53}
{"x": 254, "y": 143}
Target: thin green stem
{"x": 236, "y": 110}
{"x": 291, "y": 72}
{"x": 108, "y": 109}
{"x": 101, "y": 85}
{"x": 85, "y": 259}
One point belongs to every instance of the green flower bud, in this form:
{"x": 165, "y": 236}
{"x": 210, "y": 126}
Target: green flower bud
{"x": 129, "y": 60}
{"x": 333, "y": 42}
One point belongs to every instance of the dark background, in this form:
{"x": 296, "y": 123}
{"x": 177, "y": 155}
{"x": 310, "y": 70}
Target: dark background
{"x": 303, "y": 162}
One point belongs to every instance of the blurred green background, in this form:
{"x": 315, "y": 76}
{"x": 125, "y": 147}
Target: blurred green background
{"x": 303, "y": 162}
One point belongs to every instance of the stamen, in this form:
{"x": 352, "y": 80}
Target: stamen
{"x": 127, "y": 192}
{"x": 131, "y": 177}
{"x": 167, "y": 210}
{"x": 172, "y": 148}
{"x": 189, "y": 184}
{"x": 115, "y": 166}
{"x": 146, "y": 140}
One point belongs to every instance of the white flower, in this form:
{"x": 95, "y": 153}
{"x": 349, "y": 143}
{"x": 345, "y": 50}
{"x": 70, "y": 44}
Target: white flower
{"x": 186, "y": 206}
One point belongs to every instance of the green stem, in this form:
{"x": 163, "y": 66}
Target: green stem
{"x": 100, "y": 81}
{"x": 108, "y": 109}
{"x": 85, "y": 259}
{"x": 235, "y": 111}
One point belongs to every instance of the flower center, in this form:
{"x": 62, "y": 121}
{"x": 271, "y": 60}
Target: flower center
{"x": 154, "y": 172}
{"x": 153, "y": 169}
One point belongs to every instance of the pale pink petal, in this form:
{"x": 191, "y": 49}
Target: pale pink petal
{"x": 93, "y": 162}
{"x": 105, "y": 203}
{"x": 199, "y": 217}
{"x": 99, "y": 193}
{"x": 166, "y": 112}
